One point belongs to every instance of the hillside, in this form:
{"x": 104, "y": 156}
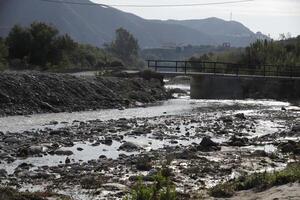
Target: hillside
{"x": 96, "y": 24}
{"x": 222, "y": 31}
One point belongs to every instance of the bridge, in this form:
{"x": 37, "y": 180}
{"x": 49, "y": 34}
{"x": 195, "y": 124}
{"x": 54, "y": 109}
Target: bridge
{"x": 171, "y": 67}
{"x": 216, "y": 80}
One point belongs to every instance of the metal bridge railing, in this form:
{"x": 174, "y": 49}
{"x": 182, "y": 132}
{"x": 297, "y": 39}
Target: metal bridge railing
{"x": 186, "y": 67}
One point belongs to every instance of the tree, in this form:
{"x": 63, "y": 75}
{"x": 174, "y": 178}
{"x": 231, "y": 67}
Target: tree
{"x": 61, "y": 47}
{"x": 125, "y": 45}
{"x": 19, "y": 41}
{"x": 43, "y": 37}
{"x": 3, "y": 53}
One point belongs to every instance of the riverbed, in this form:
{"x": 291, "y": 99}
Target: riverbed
{"x": 58, "y": 150}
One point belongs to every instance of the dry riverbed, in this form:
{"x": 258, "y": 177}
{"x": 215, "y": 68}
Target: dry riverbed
{"x": 202, "y": 144}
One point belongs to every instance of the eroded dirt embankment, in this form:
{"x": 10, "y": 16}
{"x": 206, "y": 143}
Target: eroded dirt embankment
{"x": 34, "y": 92}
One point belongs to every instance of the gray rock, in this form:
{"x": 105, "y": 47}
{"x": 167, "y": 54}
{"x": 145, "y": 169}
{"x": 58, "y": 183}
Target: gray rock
{"x": 11, "y": 140}
{"x": 296, "y": 128}
{"x": 208, "y": 145}
{"x": 63, "y": 152}
{"x": 129, "y": 147}
{"x": 235, "y": 141}
{"x": 3, "y": 173}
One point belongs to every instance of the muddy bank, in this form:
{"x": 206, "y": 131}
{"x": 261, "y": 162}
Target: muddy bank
{"x": 34, "y": 92}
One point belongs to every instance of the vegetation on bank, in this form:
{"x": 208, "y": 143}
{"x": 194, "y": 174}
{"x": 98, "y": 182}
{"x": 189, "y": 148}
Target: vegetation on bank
{"x": 184, "y": 52}
{"x": 161, "y": 188}
{"x": 41, "y": 47}
{"x": 284, "y": 53}
{"x": 258, "y": 181}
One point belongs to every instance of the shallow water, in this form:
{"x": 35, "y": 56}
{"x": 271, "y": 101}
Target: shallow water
{"x": 171, "y": 107}
{"x": 181, "y": 106}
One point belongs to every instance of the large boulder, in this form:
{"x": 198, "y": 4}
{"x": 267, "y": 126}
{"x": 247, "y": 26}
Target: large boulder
{"x": 208, "y": 145}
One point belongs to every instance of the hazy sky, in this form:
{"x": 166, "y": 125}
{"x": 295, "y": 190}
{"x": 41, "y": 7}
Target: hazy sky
{"x": 268, "y": 16}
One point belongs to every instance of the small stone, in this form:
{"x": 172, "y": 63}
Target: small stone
{"x": 79, "y": 149}
{"x": 67, "y": 161}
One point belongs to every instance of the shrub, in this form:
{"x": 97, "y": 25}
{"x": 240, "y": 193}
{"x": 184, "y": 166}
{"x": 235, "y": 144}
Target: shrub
{"x": 258, "y": 181}
{"x": 161, "y": 189}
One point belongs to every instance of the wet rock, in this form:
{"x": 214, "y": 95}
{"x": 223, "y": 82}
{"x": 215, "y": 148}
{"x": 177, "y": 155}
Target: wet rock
{"x": 240, "y": 116}
{"x": 67, "y": 161}
{"x": 106, "y": 141}
{"x": 3, "y": 173}
{"x": 186, "y": 154}
{"x": 62, "y": 152}
{"x": 33, "y": 150}
{"x": 174, "y": 142}
{"x": 259, "y": 153}
{"x": 236, "y": 141}
{"x": 39, "y": 175}
{"x": 290, "y": 147}
{"x": 79, "y": 149}
{"x": 102, "y": 157}
{"x": 11, "y": 140}
{"x": 226, "y": 119}
{"x": 114, "y": 187}
{"x": 139, "y": 131}
{"x": 143, "y": 163}
{"x": 58, "y": 132}
{"x": 53, "y": 122}
{"x": 23, "y": 152}
{"x": 177, "y": 91}
{"x": 129, "y": 147}
{"x": 208, "y": 145}
{"x": 24, "y": 166}
{"x": 296, "y": 128}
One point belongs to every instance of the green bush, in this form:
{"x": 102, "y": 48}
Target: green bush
{"x": 258, "y": 181}
{"x": 161, "y": 189}
{"x": 40, "y": 46}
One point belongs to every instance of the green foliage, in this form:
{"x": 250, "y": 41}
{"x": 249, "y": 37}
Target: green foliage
{"x": 41, "y": 46}
{"x": 259, "y": 181}
{"x": 125, "y": 47}
{"x": 3, "y": 54}
{"x": 261, "y": 52}
{"x": 253, "y": 58}
{"x": 19, "y": 42}
{"x": 161, "y": 189}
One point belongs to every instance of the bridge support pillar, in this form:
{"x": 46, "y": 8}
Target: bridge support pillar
{"x": 239, "y": 87}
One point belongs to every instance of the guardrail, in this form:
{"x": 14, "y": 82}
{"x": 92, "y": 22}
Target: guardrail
{"x": 186, "y": 67}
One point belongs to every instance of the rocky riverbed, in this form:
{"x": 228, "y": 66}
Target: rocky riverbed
{"x": 25, "y": 93}
{"x": 101, "y": 157}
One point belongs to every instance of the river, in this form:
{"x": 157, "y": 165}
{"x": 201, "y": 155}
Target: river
{"x": 192, "y": 120}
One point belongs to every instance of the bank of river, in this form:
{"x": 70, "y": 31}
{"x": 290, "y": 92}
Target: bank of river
{"x": 203, "y": 142}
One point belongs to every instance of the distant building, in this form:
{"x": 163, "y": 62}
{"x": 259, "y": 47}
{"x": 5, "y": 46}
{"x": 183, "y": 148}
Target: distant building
{"x": 226, "y": 44}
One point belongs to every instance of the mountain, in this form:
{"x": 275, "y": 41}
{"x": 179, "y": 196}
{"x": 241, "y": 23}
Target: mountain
{"x": 96, "y": 25}
{"x": 222, "y": 31}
